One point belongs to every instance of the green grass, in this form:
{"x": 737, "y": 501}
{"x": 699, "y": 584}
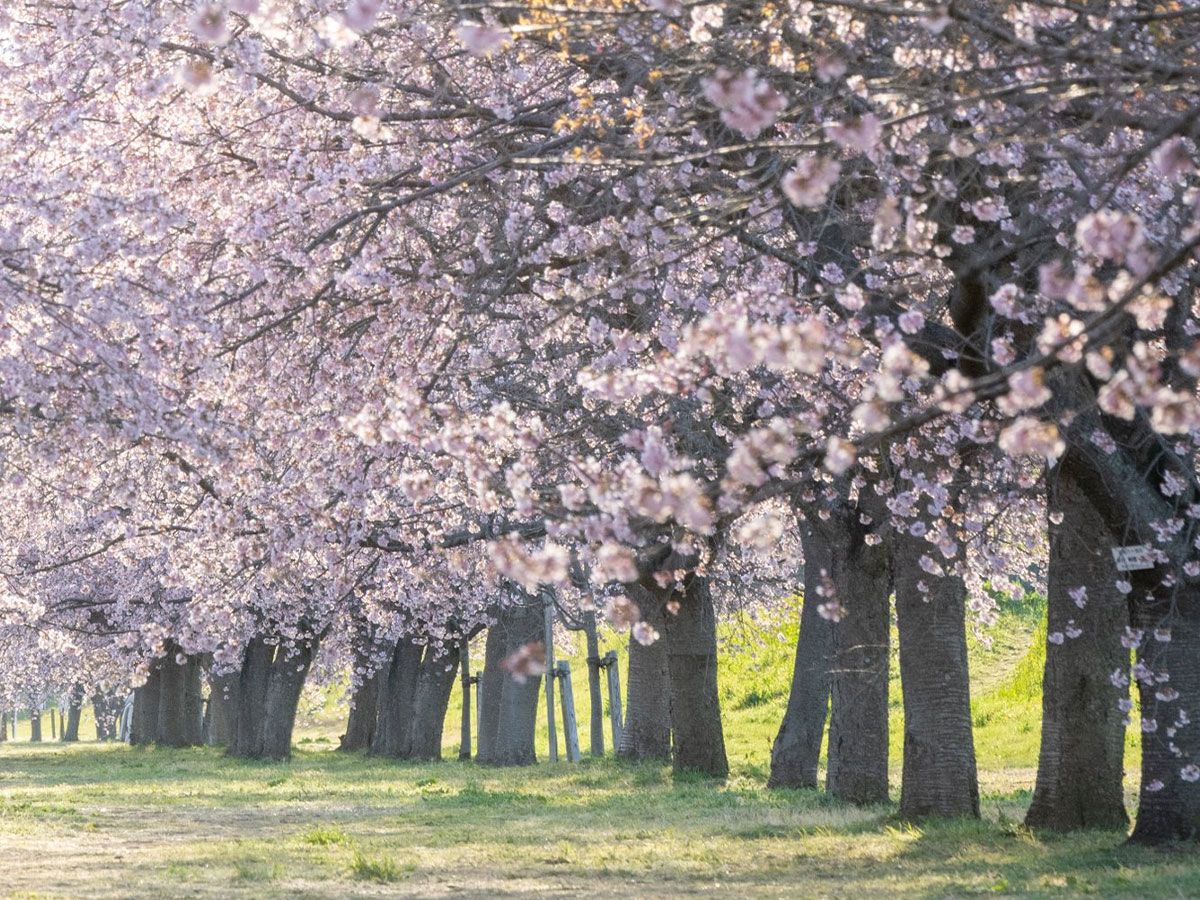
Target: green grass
{"x": 383, "y": 869}
{"x": 110, "y": 821}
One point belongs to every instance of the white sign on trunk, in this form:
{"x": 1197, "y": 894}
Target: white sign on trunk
{"x": 1133, "y": 557}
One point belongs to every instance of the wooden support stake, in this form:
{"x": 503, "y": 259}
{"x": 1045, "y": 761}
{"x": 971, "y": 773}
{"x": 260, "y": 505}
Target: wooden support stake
{"x": 614, "y": 698}
{"x": 570, "y": 731}
{"x": 551, "y": 730}
{"x": 464, "y": 745}
{"x": 595, "y": 704}
{"x": 479, "y": 713}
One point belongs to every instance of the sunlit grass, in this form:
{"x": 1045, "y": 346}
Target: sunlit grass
{"x": 111, "y": 821}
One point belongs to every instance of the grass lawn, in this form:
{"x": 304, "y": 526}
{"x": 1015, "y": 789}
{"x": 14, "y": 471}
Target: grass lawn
{"x": 115, "y": 822}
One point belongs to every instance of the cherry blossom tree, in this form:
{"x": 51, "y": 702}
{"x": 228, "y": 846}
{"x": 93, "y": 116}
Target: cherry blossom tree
{"x": 396, "y": 306}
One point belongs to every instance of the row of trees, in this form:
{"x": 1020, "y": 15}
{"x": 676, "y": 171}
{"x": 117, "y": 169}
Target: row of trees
{"x": 332, "y": 334}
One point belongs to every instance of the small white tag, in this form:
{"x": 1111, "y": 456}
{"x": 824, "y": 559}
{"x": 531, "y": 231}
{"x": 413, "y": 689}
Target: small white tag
{"x": 1133, "y": 557}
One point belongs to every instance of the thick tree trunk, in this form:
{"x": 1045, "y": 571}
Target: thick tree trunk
{"x": 1080, "y": 779}
{"x": 222, "y": 709}
{"x": 364, "y": 704}
{"x": 35, "y": 725}
{"x": 268, "y": 693}
{"x": 180, "y": 701}
{"x": 71, "y": 730}
{"x": 510, "y": 741}
{"x": 146, "y": 708}
{"x": 647, "y": 733}
{"x": 253, "y": 681}
{"x": 699, "y": 741}
{"x": 493, "y": 686}
{"x": 398, "y": 696}
{"x": 858, "y": 722}
{"x": 796, "y": 753}
{"x": 1169, "y": 803}
{"x": 438, "y": 671}
{"x": 3, "y": 727}
{"x": 74, "y": 709}
{"x": 288, "y": 673}
{"x": 939, "y": 776}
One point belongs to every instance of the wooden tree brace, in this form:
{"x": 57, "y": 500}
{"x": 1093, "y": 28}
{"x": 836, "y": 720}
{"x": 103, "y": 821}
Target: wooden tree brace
{"x": 570, "y": 731}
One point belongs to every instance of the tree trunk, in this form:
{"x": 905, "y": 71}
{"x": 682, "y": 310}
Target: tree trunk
{"x": 647, "y": 733}
{"x": 253, "y": 681}
{"x": 74, "y": 709}
{"x": 796, "y": 753}
{"x": 939, "y": 776}
{"x": 100, "y": 716}
{"x": 71, "y": 730}
{"x": 289, "y": 669}
{"x": 269, "y": 687}
{"x": 364, "y": 704}
{"x": 1080, "y": 778}
{"x": 146, "y": 709}
{"x": 595, "y": 698}
{"x": 179, "y": 701}
{"x": 516, "y": 714}
{"x": 35, "y": 725}
{"x": 107, "y": 707}
{"x": 222, "y": 709}
{"x": 493, "y": 685}
{"x": 3, "y": 727}
{"x": 858, "y": 722}
{"x": 438, "y": 671}
{"x": 398, "y": 696}
{"x": 1169, "y": 803}
{"x": 699, "y": 742}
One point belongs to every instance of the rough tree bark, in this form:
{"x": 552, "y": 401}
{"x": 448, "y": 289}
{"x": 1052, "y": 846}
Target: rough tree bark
{"x": 493, "y": 684}
{"x": 939, "y": 776}
{"x": 1169, "y": 803}
{"x": 1081, "y": 772}
{"x": 283, "y": 696}
{"x": 146, "y": 707}
{"x": 35, "y": 725}
{"x": 398, "y": 695}
{"x": 107, "y": 708}
{"x": 180, "y": 701}
{"x": 269, "y": 687}
{"x": 222, "y": 709}
{"x": 74, "y": 714}
{"x": 647, "y": 733}
{"x": 691, "y": 638}
{"x": 796, "y": 752}
{"x": 251, "y": 695}
{"x": 364, "y": 705}
{"x": 439, "y": 667}
{"x": 511, "y": 722}
{"x": 1124, "y": 486}
{"x": 858, "y": 724}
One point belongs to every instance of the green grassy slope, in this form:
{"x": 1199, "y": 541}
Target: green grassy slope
{"x": 757, "y": 654}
